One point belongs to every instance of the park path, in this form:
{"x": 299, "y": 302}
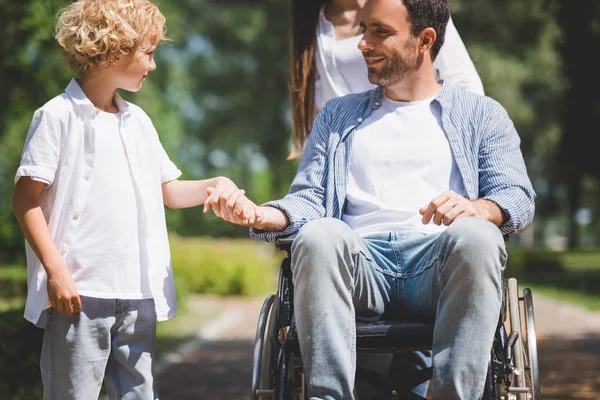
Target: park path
{"x": 217, "y": 365}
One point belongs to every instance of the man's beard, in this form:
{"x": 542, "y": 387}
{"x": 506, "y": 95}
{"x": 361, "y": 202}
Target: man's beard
{"x": 396, "y": 67}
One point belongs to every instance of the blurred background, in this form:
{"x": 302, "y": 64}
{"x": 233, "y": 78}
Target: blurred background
{"x": 220, "y": 102}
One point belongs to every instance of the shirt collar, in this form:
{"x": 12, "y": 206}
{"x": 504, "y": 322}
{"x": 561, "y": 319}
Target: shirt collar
{"x": 442, "y": 97}
{"x": 445, "y": 94}
{"x": 80, "y": 99}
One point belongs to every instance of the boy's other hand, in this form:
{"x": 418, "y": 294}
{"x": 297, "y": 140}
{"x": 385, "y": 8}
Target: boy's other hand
{"x": 233, "y": 206}
{"x": 62, "y": 291}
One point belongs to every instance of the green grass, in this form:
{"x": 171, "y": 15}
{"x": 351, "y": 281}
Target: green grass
{"x": 582, "y": 299}
{"x": 581, "y": 260}
{"x": 241, "y": 267}
{"x": 13, "y": 286}
{"x": 572, "y": 277}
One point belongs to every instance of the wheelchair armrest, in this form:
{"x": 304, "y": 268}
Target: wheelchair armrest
{"x": 285, "y": 243}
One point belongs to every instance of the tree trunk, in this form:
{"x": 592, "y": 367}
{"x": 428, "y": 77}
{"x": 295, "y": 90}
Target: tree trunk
{"x": 574, "y": 201}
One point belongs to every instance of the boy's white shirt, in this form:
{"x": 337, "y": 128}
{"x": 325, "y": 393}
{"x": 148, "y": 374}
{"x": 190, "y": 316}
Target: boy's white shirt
{"x": 59, "y": 151}
{"x": 106, "y": 256}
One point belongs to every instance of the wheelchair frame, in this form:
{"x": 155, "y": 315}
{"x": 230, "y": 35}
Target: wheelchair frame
{"x": 277, "y": 374}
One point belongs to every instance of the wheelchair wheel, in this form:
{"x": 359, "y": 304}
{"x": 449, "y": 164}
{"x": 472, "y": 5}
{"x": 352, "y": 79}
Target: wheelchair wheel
{"x": 262, "y": 370}
{"x": 270, "y": 352}
{"x": 531, "y": 342}
{"x": 522, "y": 374}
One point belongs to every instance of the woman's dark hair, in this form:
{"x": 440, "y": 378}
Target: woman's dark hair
{"x": 304, "y": 19}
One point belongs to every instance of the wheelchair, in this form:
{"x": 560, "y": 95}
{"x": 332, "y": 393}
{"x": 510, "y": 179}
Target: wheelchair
{"x": 277, "y": 364}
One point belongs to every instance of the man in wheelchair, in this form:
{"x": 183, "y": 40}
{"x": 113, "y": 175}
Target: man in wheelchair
{"x": 400, "y": 204}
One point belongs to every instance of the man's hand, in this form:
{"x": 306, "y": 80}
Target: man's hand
{"x": 62, "y": 291}
{"x": 232, "y": 205}
{"x": 450, "y": 206}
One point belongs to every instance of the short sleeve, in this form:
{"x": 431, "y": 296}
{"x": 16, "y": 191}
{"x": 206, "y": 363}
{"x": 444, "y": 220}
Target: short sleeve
{"x": 41, "y": 152}
{"x": 168, "y": 169}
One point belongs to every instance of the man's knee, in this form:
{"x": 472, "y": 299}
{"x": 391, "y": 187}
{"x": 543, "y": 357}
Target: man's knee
{"x": 475, "y": 232}
{"x": 322, "y": 234}
{"x": 478, "y": 240}
{"x": 322, "y": 246}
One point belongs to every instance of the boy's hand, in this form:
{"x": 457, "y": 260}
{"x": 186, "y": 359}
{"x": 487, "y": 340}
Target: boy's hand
{"x": 62, "y": 291}
{"x": 233, "y": 206}
{"x": 219, "y": 194}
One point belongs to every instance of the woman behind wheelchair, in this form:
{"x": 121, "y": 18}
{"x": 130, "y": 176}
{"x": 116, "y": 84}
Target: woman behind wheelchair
{"x": 400, "y": 204}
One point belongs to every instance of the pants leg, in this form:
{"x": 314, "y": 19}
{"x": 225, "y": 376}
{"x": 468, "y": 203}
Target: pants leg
{"x": 130, "y": 368}
{"x": 75, "y": 351}
{"x": 457, "y": 281}
{"x": 335, "y": 279}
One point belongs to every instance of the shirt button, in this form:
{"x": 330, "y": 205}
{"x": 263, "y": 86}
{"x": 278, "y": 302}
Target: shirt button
{"x": 63, "y": 250}
{"x": 76, "y": 215}
{"x": 87, "y": 176}
{"x": 360, "y": 120}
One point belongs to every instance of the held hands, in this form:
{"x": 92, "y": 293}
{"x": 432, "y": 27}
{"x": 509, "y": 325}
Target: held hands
{"x": 231, "y": 204}
{"x": 62, "y": 291}
{"x": 449, "y": 207}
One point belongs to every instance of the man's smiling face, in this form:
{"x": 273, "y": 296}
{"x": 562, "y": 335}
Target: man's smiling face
{"x": 388, "y": 46}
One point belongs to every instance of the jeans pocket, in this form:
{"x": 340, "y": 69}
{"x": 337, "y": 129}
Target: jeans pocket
{"x": 421, "y": 266}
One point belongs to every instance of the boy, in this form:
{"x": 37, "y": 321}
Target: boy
{"x": 89, "y": 198}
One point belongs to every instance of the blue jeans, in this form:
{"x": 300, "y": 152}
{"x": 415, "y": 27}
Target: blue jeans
{"x": 111, "y": 340}
{"x": 452, "y": 278}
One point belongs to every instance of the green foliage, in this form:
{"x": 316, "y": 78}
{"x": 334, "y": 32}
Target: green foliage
{"x": 219, "y": 97}
{"x": 567, "y": 276}
{"x": 13, "y": 282}
{"x": 32, "y": 71}
{"x": 534, "y": 263}
{"x": 20, "y": 346}
{"x": 224, "y": 266}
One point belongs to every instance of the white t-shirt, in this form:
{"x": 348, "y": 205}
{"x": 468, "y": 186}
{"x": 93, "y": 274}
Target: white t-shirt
{"x": 105, "y": 258}
{"x": 341, "y": 68}
{"x": 60, "y": 150}
{"x": 400, "y": 161}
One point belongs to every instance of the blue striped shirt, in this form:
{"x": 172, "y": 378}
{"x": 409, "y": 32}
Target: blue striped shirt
{"x": 482, "y": 138}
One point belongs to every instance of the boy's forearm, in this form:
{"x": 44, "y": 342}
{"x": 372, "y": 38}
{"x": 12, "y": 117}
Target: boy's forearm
{"x": 273, "y": 219}
{"x": 34, "y": 226}
{"x": 184, "y": 194}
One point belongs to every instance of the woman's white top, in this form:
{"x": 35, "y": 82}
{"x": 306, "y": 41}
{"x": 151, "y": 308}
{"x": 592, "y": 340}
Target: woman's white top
{"x": 341, "y": 68}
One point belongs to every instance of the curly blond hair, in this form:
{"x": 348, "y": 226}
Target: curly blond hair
{"x": 98, "y": 32}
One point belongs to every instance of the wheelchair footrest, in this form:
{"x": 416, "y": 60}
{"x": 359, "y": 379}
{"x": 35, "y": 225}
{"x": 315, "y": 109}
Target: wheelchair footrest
{"x": 390, "y": 336}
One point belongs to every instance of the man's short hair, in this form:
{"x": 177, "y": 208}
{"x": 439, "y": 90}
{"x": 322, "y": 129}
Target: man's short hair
{"x": 99, "y": 32}
{"x": 429, "y": 13}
